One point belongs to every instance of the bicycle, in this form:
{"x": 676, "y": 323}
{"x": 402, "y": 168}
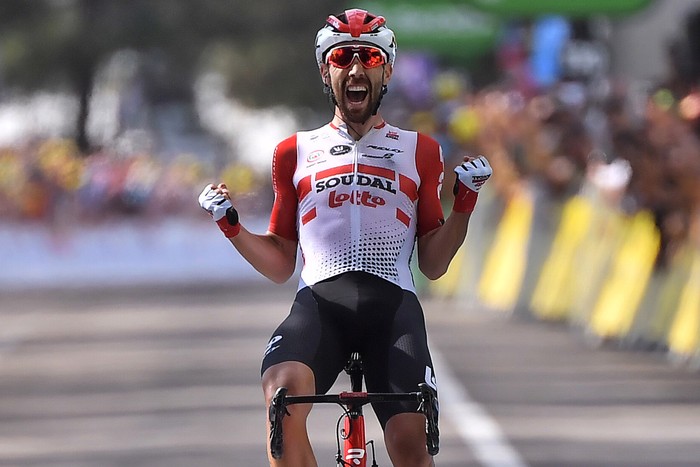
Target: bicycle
{"x": 354, "y": 446}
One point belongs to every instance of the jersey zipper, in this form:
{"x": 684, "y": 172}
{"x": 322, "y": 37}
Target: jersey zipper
{"x": 355, "y": 213}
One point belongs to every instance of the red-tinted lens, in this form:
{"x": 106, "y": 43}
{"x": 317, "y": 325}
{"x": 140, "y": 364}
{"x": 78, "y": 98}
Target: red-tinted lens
{"x": 371, "y": 57}
{"x": 342, "y": 57}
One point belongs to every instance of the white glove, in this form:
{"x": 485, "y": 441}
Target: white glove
{"x": 471, "y": 176}
{"x": 214, "y": 203}
{"x": 221, "y": 209}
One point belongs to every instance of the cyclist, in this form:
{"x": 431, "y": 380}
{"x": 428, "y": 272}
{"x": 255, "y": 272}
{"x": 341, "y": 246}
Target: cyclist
{"x": 355, "y": 196}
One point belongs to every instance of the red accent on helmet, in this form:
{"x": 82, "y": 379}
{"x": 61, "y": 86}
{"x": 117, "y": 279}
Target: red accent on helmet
{"x": 356, "y": 22}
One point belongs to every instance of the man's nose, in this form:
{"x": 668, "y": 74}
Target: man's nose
{"x": 356, "y": 67}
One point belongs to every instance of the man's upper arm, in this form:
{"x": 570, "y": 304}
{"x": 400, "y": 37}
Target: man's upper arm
{"x": 430, "y": 167}
{"x": 283, "y": 219}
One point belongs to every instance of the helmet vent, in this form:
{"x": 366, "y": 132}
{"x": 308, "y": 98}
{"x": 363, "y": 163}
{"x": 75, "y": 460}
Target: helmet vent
{"x": 356, "y": 21}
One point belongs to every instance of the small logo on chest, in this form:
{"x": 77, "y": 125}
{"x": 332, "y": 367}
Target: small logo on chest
{"x": 340, "y": 149}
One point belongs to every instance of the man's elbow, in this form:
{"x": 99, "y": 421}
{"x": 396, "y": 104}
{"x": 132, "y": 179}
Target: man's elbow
{"x": 278, "y": 274}
{"x": 279, "y": 278}
{"x": 433, "y": 272}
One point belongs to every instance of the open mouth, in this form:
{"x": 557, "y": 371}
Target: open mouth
{"x": 356, "y": 94}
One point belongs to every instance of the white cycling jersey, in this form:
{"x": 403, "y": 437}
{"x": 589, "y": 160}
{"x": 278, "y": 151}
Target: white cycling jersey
{"x": 357, "y": 205}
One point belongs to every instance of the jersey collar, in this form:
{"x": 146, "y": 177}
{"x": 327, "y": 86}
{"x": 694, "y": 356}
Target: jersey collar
{"x": 343, "y": 128}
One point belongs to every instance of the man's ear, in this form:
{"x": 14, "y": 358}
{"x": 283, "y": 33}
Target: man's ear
{"x": 388, "y": 71}
{"x": 325, "y": 74}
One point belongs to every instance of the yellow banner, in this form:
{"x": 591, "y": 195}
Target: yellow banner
{"x": 684, "y": 337}
{"x": 553, "y": 295}
{"x": 502, "y": 276}
{"x": 631, "y": 269}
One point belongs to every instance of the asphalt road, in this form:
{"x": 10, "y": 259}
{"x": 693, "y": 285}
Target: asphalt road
{"x": 170, "y": 378}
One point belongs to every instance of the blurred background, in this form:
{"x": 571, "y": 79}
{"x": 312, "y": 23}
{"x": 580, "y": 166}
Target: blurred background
{"x": 114, "y": 114}
{"x": 130, "y": 330}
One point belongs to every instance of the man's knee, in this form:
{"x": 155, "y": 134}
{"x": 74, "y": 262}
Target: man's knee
{"x": 405, "y": 440}
{"x": 298, "y": 379}
{"x": 295, "y": 376}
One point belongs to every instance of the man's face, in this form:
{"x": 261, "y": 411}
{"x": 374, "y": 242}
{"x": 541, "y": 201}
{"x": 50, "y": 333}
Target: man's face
{"x": 357, "y": 88}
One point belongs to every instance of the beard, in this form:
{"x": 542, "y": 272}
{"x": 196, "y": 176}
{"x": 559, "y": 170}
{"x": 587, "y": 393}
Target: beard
{"x": 353, "y": 111}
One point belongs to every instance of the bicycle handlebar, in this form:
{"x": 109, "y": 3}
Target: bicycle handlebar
{"x": 353, "y": 398}
{"x": 425, "y": 397}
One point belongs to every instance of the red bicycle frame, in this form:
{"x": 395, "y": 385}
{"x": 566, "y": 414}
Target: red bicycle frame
{"x": 354, "y": 449}
{"x": 354, "y": 441}
{"x": 354, "y": 437}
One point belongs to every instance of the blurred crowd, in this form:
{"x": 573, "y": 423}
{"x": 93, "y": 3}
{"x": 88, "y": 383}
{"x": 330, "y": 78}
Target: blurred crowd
{"x": 633, "y": 149}
{"x": 639, "y": 148}
{"x": 51, "y": 181}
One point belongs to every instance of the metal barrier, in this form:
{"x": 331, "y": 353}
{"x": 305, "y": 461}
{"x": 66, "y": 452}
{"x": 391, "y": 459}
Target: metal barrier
{"x": 580, "y": 262}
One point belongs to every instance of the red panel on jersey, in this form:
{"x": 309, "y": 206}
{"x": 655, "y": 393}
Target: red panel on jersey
{"x": 378, "y": 171}
{"x": 342, "y": 169}
{"x": 408, "y": 187}
{"x": 309, "y": 216}
{"x": 430, "y": 170}
{"x": 304, "y": 187}
{"x": 403, "y": 217}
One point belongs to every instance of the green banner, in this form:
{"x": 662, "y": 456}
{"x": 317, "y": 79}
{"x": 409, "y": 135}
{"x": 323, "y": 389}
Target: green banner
{"x": 529, "y": 8}
{"x": 520, "y": 8}
{"x": 445, "y": 29}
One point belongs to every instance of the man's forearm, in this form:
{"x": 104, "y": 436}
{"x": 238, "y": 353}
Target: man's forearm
{"x": 436, "y": 249}
{"x": 272, "y": 256}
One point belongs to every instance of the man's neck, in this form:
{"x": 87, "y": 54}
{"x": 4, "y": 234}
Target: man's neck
{"x": 357, "y": 130}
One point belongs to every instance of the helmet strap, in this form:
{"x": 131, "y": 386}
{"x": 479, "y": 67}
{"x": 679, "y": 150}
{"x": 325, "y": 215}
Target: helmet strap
{"x": 328, "y": 91}
{"x": 379, "y": 101}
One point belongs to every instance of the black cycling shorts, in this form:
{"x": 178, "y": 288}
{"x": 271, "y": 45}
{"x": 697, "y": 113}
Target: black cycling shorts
{"x": 357, "y": 312}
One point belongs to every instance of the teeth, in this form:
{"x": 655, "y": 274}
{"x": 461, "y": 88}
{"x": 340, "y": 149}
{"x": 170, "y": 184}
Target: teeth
{"x": 357, "y": 88}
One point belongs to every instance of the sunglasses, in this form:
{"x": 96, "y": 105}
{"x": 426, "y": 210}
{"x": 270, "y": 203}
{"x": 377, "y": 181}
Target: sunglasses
{"x": 342, "y": 57}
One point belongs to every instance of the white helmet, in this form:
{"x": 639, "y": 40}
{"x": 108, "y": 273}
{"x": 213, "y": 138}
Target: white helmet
{"x": 359, "y": 26}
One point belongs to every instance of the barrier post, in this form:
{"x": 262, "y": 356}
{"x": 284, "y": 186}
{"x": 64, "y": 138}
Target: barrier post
{"x": 624, "y": 288}
{"x": 684, "y": 336}
{"x": 502, "y": 276}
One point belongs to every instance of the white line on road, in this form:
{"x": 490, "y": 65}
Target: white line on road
{"x": 473, "y": 423}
